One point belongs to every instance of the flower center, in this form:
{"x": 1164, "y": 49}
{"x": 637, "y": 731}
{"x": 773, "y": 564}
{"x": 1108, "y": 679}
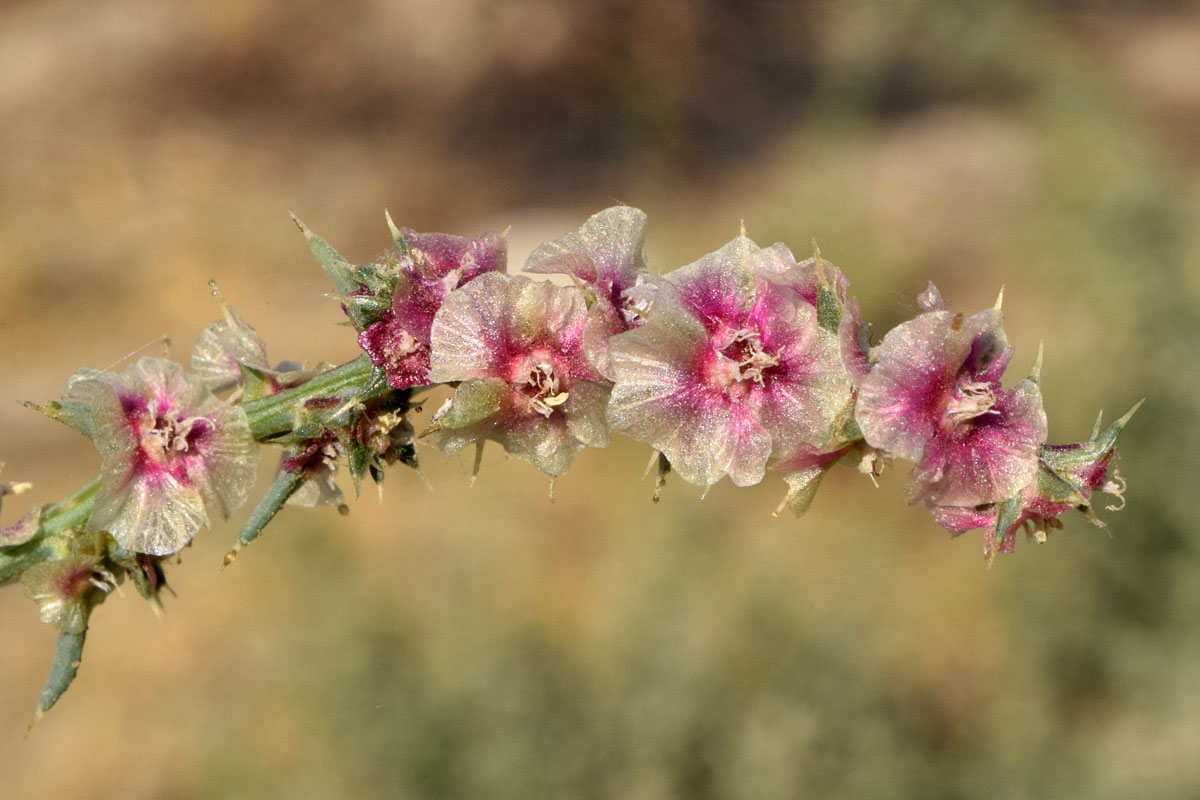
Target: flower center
{"x": 969, "y": 400}
{"x": 633, "y": 310}
{"x": 542, "y": 387}
{"x": 170, "y": 434}
{"x": 744, "y": 359}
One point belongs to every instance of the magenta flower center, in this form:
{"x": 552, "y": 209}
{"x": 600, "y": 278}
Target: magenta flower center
{"x": 969, "y": 399}
{"x": 165, "y": 435}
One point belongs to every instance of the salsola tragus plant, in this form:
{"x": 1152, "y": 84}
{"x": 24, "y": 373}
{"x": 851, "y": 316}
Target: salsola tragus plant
{"x": 744, "y": 361}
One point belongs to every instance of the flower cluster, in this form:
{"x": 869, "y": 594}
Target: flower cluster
{"x": 742, "y": 362}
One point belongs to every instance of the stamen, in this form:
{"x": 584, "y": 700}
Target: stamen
{"x": 971, "y": 399}
{"x": 543, "y": 387}
{"x": 749, "y": 359}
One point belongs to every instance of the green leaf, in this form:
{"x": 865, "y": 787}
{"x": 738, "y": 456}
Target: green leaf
{"x": 285, "y": 485}
{"x": 1009, "y": 513}
{"x": 67, "y": 655}
{"x": 339, "y": 270}
{"x": 829, "y": 309}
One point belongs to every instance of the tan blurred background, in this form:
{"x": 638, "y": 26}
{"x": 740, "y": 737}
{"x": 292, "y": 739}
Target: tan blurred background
{"x": 485, "y": 643}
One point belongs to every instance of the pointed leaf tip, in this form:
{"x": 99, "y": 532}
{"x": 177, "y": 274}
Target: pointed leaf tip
{"x": 1035, "y": 373}
{"x": 1128, "y": 414}
{"x": 397, "y": 237}
{"x": 303, "y": 229}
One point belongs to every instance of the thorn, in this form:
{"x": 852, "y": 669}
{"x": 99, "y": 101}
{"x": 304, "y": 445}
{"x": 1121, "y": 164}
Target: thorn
{"x": 1125, "y": 419}
{"x": 1096, "y": 427}
{"x": 391, "y": 226}
{"x": 37, "y": 717}
{"x": 1000, "y": 299}
{"x": 476, "y": 464}
{"x": 1035, "y": 374}
{"x": 742, "y": 224}
{"x": 307, "y": 233}
{"x": 819, "y": 263}
{"x": 553, "y": 486}
{"x": 650, "y": 466}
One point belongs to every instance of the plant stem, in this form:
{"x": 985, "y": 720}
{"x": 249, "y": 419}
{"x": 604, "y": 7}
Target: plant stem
{"x": 275, "y": 413}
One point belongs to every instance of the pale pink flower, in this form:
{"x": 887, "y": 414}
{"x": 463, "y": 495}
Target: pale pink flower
{"x": 729, "y": 369}
{"x": 172, "y": 453}
{"x": 516, "y": 349}
{"x": 605, "y": 254}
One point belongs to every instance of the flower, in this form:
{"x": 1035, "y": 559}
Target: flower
{"x": 316, "y": 462}
{"x": 933, "y": 396}
{"x": 517, "y": 347}
{"x": 1067, "y": 477}
{"x": 824, "y": 287}
{"x": 729, "y": 368}
{"x": 428, "y": 266}
{"x": 229, "y": 353}
{"x": 605, "y": 254}
{"x": 225, "y": 347}
{"x": 172, "y": 453}
{"x": 68, "y": 588}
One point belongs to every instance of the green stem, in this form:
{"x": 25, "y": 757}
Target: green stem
{"x": 275, "y": 413}
{"x": 72, "y": 511}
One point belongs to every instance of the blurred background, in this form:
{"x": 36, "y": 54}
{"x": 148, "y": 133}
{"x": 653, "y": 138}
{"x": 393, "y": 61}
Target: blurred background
{"x": 455, "y": 642}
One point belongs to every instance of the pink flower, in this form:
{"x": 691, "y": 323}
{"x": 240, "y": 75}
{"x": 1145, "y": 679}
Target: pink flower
{"x": 1067, "y": 477}
{"x": 933, "y": 396}
{"x": 430, "y": 266}
{"x": 516, "y": 346}
{"x": 605, "y": 254}
{"x": 825, "y": 288}
{"x": 172, "y": 453}
{"x": 66, "y": 589}
{"x": 729, "y": 369}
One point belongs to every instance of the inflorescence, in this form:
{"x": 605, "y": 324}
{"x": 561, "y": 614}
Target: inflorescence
{"x": 743, "y": 361}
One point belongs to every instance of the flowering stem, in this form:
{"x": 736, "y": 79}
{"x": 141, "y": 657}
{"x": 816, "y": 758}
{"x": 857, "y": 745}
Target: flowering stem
{"x": 269, "y": 417}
